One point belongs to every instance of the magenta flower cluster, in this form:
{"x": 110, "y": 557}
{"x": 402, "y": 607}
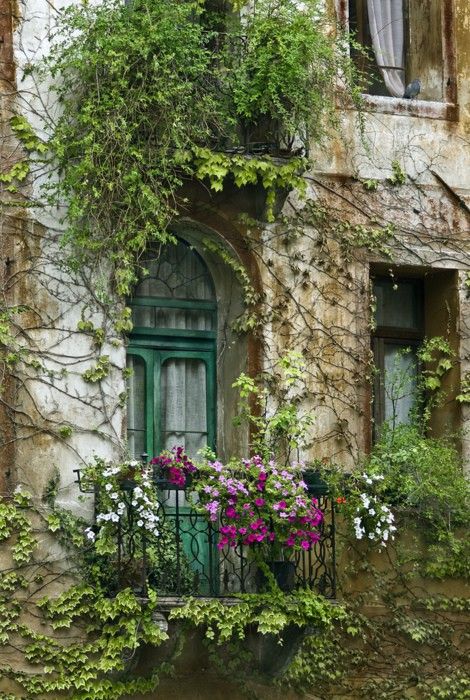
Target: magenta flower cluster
{"x": 259, "y": 503}
{"x": 175, "y": 466}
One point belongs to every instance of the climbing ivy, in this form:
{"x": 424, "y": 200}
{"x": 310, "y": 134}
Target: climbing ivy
{"x": 146, "y": 103}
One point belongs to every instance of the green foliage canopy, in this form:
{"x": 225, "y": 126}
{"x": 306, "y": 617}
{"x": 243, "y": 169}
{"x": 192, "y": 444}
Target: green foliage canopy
{"x": 148, "y": 91}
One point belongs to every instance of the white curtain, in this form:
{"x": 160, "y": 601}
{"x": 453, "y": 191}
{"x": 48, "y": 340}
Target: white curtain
{"x": 386, "y": 24}
{"x": 184, "y": 410}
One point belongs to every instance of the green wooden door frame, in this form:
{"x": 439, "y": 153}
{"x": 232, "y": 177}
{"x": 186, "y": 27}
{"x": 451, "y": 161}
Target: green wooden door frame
{"x": 207, "y": 561}
{"x": 153, "y": 361}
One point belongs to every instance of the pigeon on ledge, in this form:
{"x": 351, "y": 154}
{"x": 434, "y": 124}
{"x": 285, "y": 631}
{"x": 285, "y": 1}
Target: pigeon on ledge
{"x": 413, "y": 89}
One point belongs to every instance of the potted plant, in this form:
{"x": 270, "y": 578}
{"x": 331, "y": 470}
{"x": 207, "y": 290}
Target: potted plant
{"x": 173, "y": 467}
{"x": 126, "y": 507}
{"x": 263, "y": 507}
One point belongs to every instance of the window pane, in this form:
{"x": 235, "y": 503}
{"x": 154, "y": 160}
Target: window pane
{"x": 184, "y": 404}
{"x": 403, "y": 39}
{"x": 400, "y": 382}
{"x": 136, "y": 406}
{"x": 178, "y": 273}
{"x": 398, "y": 304}
{"x": 161, "y": 317}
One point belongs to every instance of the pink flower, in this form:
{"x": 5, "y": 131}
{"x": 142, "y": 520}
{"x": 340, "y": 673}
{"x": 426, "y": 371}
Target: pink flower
{"x": 256, "y": 524}
{"x": 259, "y": 502}
{"x": 305, "y": 545}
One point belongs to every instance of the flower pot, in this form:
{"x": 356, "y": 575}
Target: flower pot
{"x": 284, "y": 575}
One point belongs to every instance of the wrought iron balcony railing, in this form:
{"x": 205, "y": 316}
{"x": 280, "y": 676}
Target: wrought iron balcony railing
{"x": 185, "y": 560}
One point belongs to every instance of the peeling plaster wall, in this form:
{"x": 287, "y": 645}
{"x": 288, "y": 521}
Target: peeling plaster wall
{"x": 55, "y": 395}
{"x": 52, "y": 395}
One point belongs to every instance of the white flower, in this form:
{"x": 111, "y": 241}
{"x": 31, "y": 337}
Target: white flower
{"x": 140, "y": 523}
{"x": 114, "y": 496}
{"x": 114, "y": 517}
{"x": 371, "y": 535}
{"x": 109, "y": 487}
{"x": 371, "y": 511}
{"x": 90, "y": 534}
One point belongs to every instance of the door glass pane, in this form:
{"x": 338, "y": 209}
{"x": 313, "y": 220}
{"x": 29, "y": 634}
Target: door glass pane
{"x": 184, "y": 404}
{"x": 178, "y": 272}
{"x": 136, "y": 406}
{"x": 400, "y": 382}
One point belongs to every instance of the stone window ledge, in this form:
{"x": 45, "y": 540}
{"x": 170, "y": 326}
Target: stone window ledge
{"x": 411, "y": 108}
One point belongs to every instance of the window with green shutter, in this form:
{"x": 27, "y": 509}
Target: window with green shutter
{"x": 172, "y": 349}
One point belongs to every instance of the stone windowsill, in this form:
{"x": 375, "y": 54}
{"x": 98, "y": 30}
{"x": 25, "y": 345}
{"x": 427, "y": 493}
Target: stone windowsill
{"x": 411, "y": 108}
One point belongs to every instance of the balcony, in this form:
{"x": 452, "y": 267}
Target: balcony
{"x": 187, "y": 560}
